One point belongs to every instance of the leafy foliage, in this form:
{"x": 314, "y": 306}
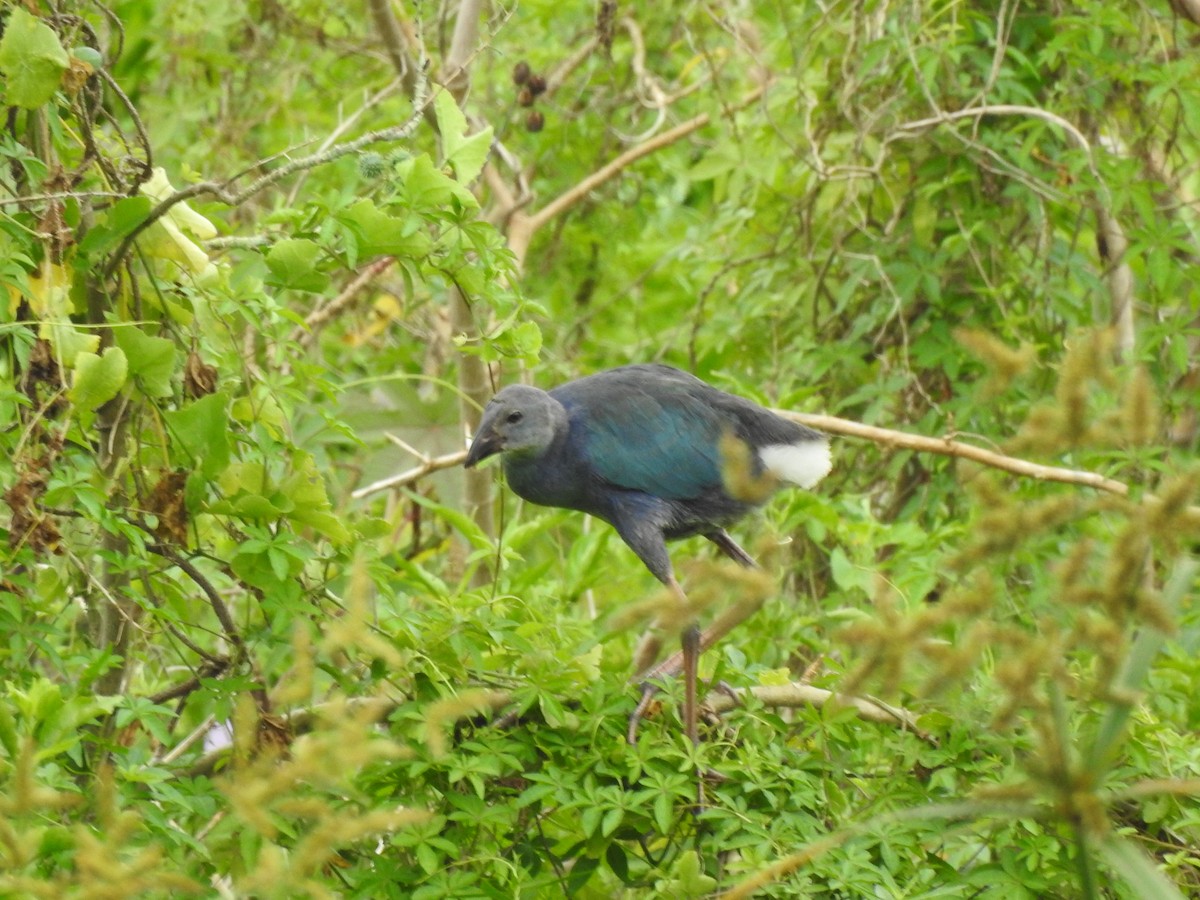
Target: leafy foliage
{"x": 236, "y": 248}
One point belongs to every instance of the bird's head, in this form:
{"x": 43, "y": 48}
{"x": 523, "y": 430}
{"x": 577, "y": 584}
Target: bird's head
{"x": 520, "y": 419}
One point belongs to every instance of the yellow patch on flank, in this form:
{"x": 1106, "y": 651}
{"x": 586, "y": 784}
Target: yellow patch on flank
{"x": 738, "y": 475}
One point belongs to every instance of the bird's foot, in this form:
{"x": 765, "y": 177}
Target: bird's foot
{"x": 710, "y": 718}
{"x": 639, "y": 712}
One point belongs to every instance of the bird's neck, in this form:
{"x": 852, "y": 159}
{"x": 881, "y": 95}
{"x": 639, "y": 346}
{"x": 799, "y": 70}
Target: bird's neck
{"x": 550, "y": 476}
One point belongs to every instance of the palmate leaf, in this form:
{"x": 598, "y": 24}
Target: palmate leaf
{"x": 293, "y": 264}
{"x": 201, "y": 430}
{"x": 31, "y": 59}
{"x": 465, "y": 153}
{"x": 378, "y": 233}
{"x": 97, "y": 380}
{"x": 151, "y": 359}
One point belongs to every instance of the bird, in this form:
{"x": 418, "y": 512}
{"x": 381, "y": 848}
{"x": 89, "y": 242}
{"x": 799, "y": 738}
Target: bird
{"x": 659, "y": 455}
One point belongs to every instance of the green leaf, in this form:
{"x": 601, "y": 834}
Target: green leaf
{"x": 124, "y": 216}
{"x": 378, "y": 233}
{"x": 689, "y": 878}
{"x": 67, "y": 341}
{"x": 465, "y": 153}
{"x": 611, "y": 820}
{"x": 429, "y": 188}
{"x": 1132, "y": 677}
{"x": 97, "y": 380}
{"x": 293, "y": 264}
{"x": 151, "y": 359}
{"x": 201, "y": 429}
{"x": 31, "y": 59}
{"x": 306, "y": 489}
{"x": 846, "y": 575}
{"x": 1137, "y": 870}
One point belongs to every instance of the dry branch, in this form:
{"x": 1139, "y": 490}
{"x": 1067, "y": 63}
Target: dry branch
{"x": 429, "y": 465}
{"x": 522, "y": 227}
{"x": 304, "y": 336}
{"x": 796, "y": 694}
{"x": 903, "y": 440}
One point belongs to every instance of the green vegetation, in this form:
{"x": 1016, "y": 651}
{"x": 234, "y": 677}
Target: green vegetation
{"x": 258, "y": 258}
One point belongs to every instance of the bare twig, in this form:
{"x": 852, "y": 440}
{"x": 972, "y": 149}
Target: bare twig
{"x": 214, "y": 596}
{"x": 222, "y": 193}
{"x": 946, "y": 447}
{"x": 606, "y": 173}
{"x": 431, "y": 464}
{"x": 303, "y": 336}
{"x": 797, "y": 694}
{"x": 904, "y": 440}
{"x": 522, "y": 227}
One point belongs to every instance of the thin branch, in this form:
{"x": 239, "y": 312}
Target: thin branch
{"x": 343, "y": 126}
{"x": 214, "y": 597}
{"x": 946, "y": 447}
{"x": 65, "y": 195}
{"x": 798, "y": 694}
{"x": 222, "y": 193}
{"x": 131, "y": 111}
{"x": 522, "y": 227}
{"x": 431, "y": 464}
{"x": 1114, "y": 244}
{"x": 304, "y": 335}
{"x": 574, "y": 195}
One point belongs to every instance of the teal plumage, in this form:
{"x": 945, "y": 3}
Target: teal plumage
{"x": 640, "y": 447}
{"x": 654, "y": 451}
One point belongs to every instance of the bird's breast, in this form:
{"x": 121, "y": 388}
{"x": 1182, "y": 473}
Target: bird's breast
{"x": 548, "y": 482}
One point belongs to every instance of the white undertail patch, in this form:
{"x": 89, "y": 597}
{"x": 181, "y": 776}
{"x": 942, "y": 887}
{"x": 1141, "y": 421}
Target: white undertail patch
{"x": 804, "y": 463}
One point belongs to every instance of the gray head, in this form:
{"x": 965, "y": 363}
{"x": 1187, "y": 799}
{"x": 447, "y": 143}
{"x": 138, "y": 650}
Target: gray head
{"x": 520, "y": 419}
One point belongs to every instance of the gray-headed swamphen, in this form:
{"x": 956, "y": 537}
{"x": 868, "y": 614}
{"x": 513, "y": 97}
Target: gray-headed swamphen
{"x": 656, "y": 453}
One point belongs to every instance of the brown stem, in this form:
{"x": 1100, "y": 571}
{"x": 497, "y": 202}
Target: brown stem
{"x": 214, "y": 597}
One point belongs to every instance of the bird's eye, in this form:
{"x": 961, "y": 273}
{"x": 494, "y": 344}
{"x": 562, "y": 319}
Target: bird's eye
{"x": 515, "y": 416}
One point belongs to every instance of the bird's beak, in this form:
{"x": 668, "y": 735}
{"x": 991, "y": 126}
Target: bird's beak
{"x": 486, "y": 443}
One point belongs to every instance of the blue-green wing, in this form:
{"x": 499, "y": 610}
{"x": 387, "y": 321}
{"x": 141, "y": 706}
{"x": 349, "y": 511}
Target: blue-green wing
{"x": 652, "y": 434}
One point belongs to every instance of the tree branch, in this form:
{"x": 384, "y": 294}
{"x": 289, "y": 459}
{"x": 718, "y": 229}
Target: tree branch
{"x": 456, "y": 76}
{"x": 429, "y": 465}
{"x": 395, "y": 44}
{"x": 214, "y": 596}
{"x": 304, "y": 335}
{"x": 904, "y": 440}
{"x": 570, "y": 198}
{"x": 522, "y": 227}
{"x": 946, "y": 447}
{"x": 797, "y": 694}
{"x": 223, "y": 194}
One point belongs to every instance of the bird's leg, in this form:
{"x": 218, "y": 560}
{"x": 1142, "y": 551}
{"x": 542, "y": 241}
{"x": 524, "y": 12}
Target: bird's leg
{"x": 644, "y": 668}
{"x": 646, "y": 652}
{"x": 730, "y": 548}
{"x": 725, "y": 623}
{"x": 690, "y": 640}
